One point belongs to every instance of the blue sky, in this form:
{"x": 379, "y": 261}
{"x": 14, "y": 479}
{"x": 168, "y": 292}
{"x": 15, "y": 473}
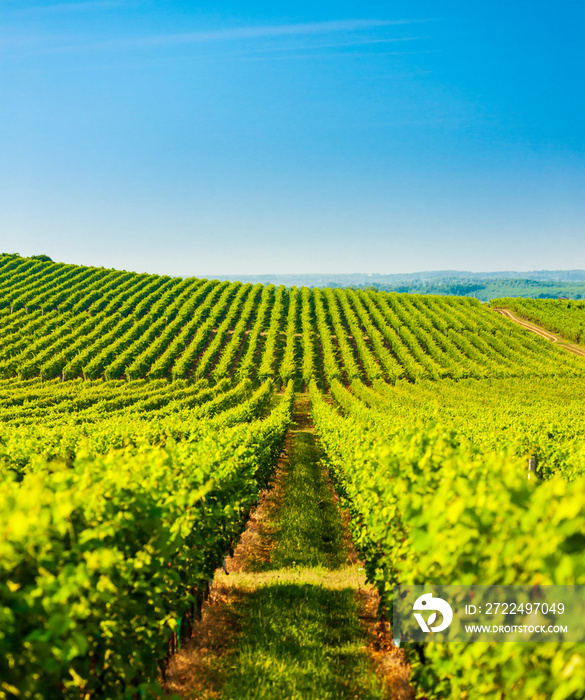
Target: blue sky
{"x": 270, "y": 137}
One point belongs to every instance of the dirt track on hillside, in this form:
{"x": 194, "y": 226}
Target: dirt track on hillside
{"x": 562, "y": 342}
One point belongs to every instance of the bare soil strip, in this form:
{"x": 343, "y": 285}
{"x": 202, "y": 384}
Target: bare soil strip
{"x": 307, "y": 629}
{"x": 529, "y": 325}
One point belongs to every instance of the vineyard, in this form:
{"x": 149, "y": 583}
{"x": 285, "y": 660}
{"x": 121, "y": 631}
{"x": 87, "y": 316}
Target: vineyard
{"x": 566, "y": 317}
{"x": 140, "y": 417}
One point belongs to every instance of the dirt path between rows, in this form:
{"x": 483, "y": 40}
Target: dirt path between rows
{"x": 539, "y": 330}
{"x": 199, "y": 669}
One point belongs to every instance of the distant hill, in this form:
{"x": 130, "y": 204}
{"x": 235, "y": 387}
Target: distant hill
{"x": 539, "y": 284}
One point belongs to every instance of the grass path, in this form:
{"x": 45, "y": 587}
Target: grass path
{"x": 285, "y": 623}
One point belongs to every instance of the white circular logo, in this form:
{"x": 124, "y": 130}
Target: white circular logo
{"x": 426, "y": 603}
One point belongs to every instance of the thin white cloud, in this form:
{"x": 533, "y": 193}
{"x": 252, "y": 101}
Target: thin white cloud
{"x": 338, "y": 44}
{"x": 267, "y": 52}
{"x": 337, "y": 54}
{"x": 46, "y": 44}
{"x": 278, "y": 30}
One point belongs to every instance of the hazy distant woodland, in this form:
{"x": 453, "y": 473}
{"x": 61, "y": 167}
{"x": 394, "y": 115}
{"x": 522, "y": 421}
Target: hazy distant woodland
{"x": 541, "y": 284}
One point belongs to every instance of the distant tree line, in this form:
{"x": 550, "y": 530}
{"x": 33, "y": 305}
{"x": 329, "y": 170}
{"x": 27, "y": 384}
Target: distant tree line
{"x": 490, "y": 289}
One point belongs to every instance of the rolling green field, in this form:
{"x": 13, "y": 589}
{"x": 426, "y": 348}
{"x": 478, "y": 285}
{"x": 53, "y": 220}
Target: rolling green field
{"x": 140, "y": 417}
